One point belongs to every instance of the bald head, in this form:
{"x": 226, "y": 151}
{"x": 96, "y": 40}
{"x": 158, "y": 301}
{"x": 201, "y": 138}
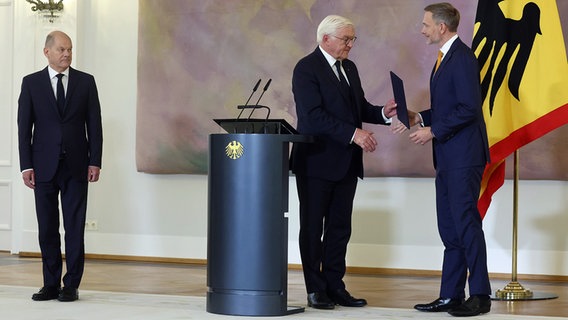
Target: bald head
{"x": 52, "y": 36}
{"x": 58, "y": 50}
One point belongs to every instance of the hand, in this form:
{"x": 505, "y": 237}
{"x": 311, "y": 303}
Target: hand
{"x": 390, "y": 109}
{"x": 422, "y": 135}
{"x": 29, "y": 178}
{"x": 94, "y": 173}
{"x": 398, "y": 127}
{"x": 414, "y": 118}
{"x": 365, "y": 140}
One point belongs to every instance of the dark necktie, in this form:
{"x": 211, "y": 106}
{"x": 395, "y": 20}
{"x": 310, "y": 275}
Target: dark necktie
{"x": 343, "y": 84}
{"x": 60, "y": 94}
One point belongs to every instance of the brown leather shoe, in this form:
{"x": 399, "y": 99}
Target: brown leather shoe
{"x": 46, "y": 293}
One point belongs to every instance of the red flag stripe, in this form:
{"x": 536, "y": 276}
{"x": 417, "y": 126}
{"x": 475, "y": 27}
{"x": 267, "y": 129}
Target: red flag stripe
{"x": 529, "y": 133}
{"x": 494, "y": 177}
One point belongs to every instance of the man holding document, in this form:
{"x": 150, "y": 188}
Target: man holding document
{"x": 455, "y": 125}
{"x": 331, "y": 106}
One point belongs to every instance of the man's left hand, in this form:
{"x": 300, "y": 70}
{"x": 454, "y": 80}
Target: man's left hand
{"x": 422, "y": 135}
{"x": 94, "y": 173}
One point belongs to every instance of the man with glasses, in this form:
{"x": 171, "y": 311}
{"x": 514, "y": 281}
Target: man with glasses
{"x": 331, "y": 106}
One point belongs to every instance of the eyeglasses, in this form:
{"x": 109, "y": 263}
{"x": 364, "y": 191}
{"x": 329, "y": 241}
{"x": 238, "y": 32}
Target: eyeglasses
{"x": 346, "y": 40}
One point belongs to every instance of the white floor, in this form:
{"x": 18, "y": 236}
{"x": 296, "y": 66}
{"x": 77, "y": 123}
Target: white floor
{"x": 16, "y": 303}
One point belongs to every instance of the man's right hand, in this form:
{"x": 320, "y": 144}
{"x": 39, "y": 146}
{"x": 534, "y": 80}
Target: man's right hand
{"x": 29, "y": 178}
{"x": 414, "y": 118}
{"x": 365, "y": 140}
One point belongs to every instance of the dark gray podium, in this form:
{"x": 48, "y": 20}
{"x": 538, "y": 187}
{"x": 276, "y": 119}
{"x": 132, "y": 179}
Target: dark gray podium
{"x": 247, "y": 236}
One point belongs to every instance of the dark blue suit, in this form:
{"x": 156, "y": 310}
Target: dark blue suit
{"x": 327, "y": 170}
{"x": 59, "y": 148}
{"x": 460, "y": 153}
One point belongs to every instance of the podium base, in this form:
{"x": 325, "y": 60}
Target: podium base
{"x": 238, "y": 303}
{"x": 294, "y": 310}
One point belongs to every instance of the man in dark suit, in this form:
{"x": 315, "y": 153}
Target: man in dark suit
{"x": 60, "y": 146}
{"x": 455, "y": 125}
{"x": 331, "y": 106}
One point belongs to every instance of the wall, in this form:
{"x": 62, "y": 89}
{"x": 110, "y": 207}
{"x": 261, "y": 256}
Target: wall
{"x": 166, "y": 215}
{"x": 6, "y": 124}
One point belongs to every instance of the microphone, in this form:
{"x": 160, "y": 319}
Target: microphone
{"x": 246, "y": 103}
{"x": 257, "y": 101}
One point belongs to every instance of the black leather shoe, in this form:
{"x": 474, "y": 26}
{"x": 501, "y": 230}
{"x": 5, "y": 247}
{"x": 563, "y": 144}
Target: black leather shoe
{"x": 46, "y": 293}
{"x": 343, "y": 298}
{"x": 473, "y": 306}
{"x": 68, "y": 294}
{"x": 438, "y": 305}
{"x": 320, "y": 300}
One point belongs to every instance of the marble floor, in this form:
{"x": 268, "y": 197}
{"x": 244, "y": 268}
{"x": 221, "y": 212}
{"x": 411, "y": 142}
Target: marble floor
{"x": 137, "y": 290}
{"x": 96, "y": 305}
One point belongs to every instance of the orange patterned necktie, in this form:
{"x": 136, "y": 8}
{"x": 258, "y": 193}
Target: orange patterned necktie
{"x": 440, "y": 55}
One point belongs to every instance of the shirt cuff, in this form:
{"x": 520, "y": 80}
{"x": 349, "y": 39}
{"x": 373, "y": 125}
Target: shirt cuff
{"x": 387, "y": 120}
{"x": 421, "y": 120}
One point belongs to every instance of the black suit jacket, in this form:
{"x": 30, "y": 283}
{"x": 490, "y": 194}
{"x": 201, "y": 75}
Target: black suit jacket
{"x": 324, "y": 112}
{"x": 44, "y": 135}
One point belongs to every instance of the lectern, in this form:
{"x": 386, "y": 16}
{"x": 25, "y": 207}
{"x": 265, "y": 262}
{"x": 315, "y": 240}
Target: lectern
{"x": 247, "y": 230}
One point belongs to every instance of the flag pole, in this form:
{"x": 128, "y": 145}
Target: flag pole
{"x": 514, "y": 290}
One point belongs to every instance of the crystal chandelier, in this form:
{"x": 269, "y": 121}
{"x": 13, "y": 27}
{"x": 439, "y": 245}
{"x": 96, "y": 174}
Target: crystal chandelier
{"x": 49, "y": 9}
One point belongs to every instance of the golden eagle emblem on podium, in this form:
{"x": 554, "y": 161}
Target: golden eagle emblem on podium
{"x": 234, "y": 150}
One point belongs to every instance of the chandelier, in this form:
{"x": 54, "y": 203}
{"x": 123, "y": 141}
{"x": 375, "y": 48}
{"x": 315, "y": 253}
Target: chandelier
{"x": 48, "y": 9}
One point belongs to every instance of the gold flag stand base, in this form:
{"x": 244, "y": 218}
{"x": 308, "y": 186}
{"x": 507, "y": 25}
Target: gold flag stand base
{"x": 514, "y": 290}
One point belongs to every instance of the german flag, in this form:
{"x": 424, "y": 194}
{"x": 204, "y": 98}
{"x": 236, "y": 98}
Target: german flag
{"x": 524, "y": 79}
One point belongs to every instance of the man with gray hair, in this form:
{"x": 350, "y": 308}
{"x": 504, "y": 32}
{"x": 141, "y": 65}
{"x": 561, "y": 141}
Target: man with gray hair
{"x": 331, "y": 106}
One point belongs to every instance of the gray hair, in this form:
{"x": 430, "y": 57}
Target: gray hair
{"x": 330, "y": 24}
{"x": 50, "y": 39}
{"x": 446, "y": 13}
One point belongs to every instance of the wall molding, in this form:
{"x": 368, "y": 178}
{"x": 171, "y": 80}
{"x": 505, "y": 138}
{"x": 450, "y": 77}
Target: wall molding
{"x": 359, "y": 256}
{"x": 5, "y": 163}
{"x": 298, "y": 267}
{"x": 6, "y": 206}
{"x": 6, "y": 105}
